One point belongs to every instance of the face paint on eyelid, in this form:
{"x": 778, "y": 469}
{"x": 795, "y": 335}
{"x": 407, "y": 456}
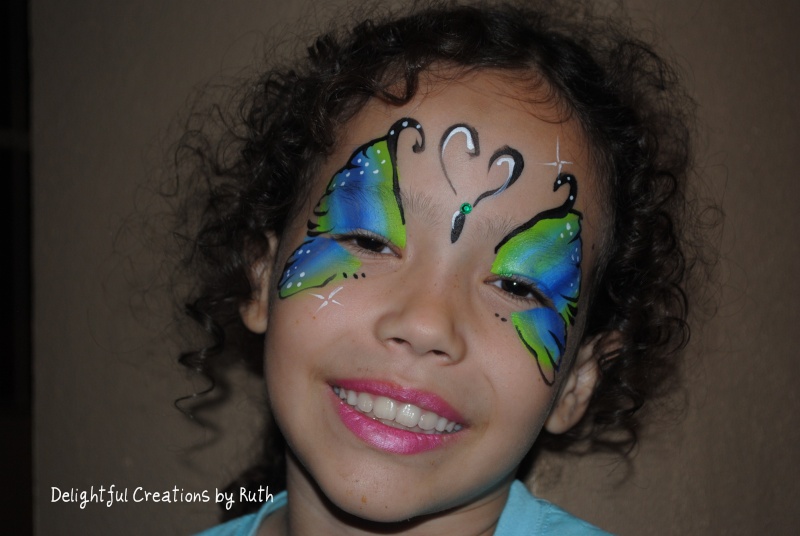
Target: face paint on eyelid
{"x": 363, "y": 195}
{"x": 547, "y": 251}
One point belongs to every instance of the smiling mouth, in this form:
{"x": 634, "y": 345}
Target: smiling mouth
{"x": 401, "y": 415}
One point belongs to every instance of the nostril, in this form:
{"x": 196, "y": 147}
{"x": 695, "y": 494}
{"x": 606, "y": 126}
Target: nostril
{"x": 401, "y": 341}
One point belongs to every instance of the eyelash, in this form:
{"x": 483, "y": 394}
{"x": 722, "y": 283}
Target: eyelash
{"x": 531, "y": 293}
{"x": 366, "y": 242}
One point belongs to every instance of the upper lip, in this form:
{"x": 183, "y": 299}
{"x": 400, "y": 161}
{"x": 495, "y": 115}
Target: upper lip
{"x": 423, "y": 399}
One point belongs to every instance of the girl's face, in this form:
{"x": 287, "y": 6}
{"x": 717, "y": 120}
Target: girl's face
{"x": 421, "y": 323}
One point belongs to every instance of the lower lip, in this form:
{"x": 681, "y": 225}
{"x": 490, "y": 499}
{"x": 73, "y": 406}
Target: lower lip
{"x": 387, "y": 438}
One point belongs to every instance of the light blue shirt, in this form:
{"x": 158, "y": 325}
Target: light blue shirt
{"x": 523, "y": 515}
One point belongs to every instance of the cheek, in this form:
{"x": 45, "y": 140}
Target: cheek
{"x": 310, "y": 335}
{"x": 293, "y": 352}
{"x": 536, "y": 336}
{"x": 510, "y": 364}
{"x": 523, "y": 398}
{"x": 304, "y": 325}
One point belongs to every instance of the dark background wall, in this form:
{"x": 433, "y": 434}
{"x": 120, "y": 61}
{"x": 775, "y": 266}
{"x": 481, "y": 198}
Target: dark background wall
{"x": 108, "y": 82}
{"x": 15, "y": 379}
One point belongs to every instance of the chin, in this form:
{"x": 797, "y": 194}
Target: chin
{"x": 387, "y": 507}
{"x": 371, "y": 493}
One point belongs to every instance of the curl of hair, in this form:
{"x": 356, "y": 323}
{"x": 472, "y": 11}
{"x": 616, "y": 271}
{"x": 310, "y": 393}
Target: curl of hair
{"x": 626, "y": 98}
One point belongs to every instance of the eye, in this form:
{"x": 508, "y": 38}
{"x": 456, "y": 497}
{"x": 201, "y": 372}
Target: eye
{"x": 519, "y": 289}
{"x": 371, "y": 244}
{"x": 364, "y": 241}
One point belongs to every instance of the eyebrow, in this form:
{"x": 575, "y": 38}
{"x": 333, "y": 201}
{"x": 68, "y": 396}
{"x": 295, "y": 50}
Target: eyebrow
{"x": 502, "y": 227}
{"x": 424, "y": 208}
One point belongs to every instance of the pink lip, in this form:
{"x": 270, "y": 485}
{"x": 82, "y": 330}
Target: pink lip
{"x": 385, "y": 437}
{"x": 422, "y": 399}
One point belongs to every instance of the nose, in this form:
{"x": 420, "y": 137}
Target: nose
{"x": 423, "y": 320}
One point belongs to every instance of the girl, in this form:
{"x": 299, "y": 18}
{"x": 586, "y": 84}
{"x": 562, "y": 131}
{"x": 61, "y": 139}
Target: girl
{"x": 451, "y": 235}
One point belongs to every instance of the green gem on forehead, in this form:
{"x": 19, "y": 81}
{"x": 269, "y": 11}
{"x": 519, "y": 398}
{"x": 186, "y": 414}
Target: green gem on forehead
{"x": 466, "y": 208}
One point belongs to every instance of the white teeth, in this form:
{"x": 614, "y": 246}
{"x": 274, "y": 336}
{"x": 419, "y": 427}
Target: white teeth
{"x": 364, "y": 402}
{"x": 406, "y": 415}
{"x": 441, "y": 424}
{"x": 384, "y": 408}
{"x": 427, "y": 420}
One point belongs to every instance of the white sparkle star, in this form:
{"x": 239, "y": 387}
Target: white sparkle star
{"x": 328, "y": 300}
{"x": 558, "y": 162}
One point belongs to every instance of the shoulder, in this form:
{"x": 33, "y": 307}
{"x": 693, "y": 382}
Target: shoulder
{"x": 525, "y": 515}
{"x": 247, "y": 525}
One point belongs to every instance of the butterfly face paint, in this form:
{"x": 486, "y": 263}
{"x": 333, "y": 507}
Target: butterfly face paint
{"x": 362, "y": 197}
{"x": 546, "y": 252}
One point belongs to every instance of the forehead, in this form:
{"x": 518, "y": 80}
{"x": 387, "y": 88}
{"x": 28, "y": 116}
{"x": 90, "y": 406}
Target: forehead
{"x": 471, "y": 124}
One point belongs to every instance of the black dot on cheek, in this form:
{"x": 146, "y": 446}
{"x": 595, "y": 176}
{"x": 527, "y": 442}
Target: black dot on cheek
{"x": 355, "y": 276}
{"x": 496, "y": 315}
{"x": 363, "y": 275}
{"x": 504, "y": 319}
{"x": 345, "y": 275}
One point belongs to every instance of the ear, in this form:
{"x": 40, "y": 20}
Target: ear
{"x": 579, "y": 385}
{"x": 254, "y": 312}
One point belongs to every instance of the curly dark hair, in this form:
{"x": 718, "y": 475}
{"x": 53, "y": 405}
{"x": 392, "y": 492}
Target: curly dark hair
{"x": 626, "y": 98}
